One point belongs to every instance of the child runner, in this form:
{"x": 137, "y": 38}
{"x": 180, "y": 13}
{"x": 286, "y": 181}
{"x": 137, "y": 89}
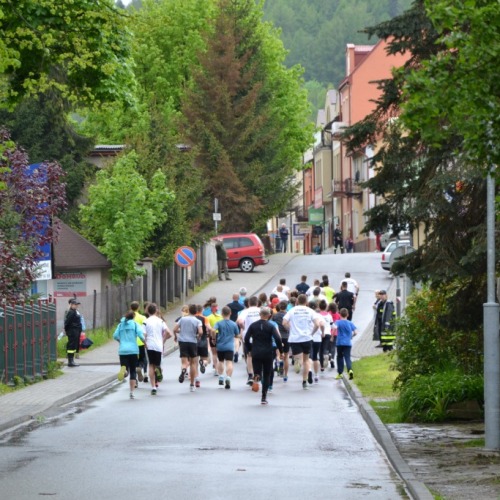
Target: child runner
{"x": 346, "y": 330}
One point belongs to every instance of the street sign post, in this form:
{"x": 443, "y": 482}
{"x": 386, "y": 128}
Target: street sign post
{"x": 184, "y": 257}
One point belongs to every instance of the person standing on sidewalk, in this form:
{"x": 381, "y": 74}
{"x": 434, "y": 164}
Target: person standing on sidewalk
{"x": 259, "y": 341}
{"x": 187, "y": 331}
{"x": 283, "y": 237}
{"x": 156, "y": 333}
{"x": 386, "y": 314}
{"x": 73, "y": 329}
{"x": 346, "y": 330}
{"x": 221, "y": 259}
{"x": 127, "y": 333}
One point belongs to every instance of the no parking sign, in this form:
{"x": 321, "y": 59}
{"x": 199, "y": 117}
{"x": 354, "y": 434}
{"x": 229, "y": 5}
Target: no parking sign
{"x": 185, "y": 256}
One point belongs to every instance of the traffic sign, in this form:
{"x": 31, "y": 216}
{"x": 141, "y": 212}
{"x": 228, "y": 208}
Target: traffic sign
{"x": 185, "y": 256}
{"x": 217, "y": 216}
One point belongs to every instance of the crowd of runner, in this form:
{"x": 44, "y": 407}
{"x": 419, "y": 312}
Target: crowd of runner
{"x": 308, "y": 327}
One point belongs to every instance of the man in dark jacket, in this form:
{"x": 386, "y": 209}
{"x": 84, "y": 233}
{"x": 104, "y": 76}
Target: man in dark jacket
{"x": 259, "y": 340}
{"x": 73, "y": 329}
{"x": 221, "y": 260}
{"x": 345, "y": 299}
{"x": 385, "y": 324}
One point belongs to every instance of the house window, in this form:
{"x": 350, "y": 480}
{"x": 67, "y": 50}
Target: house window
{"x": 359, "y": 169}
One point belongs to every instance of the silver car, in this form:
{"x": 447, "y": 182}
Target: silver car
{"x": 385, "y": 258}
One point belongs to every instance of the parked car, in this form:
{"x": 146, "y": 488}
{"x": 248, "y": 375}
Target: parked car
{"x": 244, "y": 251}
{"x": 385, "y": 259}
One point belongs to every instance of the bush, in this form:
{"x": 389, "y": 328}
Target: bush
{"x": 427, "y": 398}
{"x": 424, "y": 345}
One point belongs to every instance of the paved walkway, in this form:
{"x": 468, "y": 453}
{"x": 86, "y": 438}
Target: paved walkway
{"x": 99, "y": 367}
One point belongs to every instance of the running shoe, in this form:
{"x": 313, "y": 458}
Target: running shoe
{"x": 192, "y": 388}
{"x": 270, "y": 388}
{"x": 310, "y": 377}
{"x": 197, "y": 383}
{"x": 236, "y": 355}
{"x": 182, "y": 376}
{"x": 316, "y": 380}
{"x": 131, "y": 395}
{"x": 202, "y": 366}
{"x": 351, "y": 374}
{"x": 215, "y": 373}
{"x": 153, "y": 392}
{"x": 121, "y": 373}
{"x": 146, "y": 380}
{"x": 221, "y": 380}
{"x": 332, "y": 364}
{"x": 285, "y": 379}
{"x": 255, "y": 385}
{"x": 297, "y": 366}
{"x": 304, "y": 385}
{"x": 186, "y": 375}
{"x": 250, "y": 381}
{"x": 158, "y": 374}
{"x": 136, "y": 384}
{"x": 140, "y": 376}
{"x": 264, "y": 402}
{"x": 228, "y": 384}
{"x": 339, "y": 376}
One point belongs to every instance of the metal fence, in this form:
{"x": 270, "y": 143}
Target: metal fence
{"x": 28, "y": 336}
{"x": 162, "y": 286}
{"x": 28, "y": 332}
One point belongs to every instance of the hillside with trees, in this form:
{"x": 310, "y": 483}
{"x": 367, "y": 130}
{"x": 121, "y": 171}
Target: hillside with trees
{"x": 316, "y": 32}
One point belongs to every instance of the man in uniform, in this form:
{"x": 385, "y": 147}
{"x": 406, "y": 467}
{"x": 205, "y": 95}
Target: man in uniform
{"x": 73, "y": 329}
{"x": 385, "y": 325}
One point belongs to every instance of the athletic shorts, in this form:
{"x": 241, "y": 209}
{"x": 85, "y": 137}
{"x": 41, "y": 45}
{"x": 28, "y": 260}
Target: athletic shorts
{"x": 286, "y": 345}
{"x": 315, "y": 350}
{"x": 130, "y": 361}
{"x": 225, "y": 355}
{"x": 202, "y": 351}
{"x": 301, "y": 347}
{"x": 188, "y": 349}
{"x": 154, "y": 357}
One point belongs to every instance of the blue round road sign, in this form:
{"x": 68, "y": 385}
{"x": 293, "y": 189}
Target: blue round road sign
{"x": 185, "y": 256}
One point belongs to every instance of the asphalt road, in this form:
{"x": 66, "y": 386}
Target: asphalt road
{"x": 214, "y": 443}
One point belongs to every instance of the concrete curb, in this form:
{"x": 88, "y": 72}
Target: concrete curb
{"x": 418, "y": 489}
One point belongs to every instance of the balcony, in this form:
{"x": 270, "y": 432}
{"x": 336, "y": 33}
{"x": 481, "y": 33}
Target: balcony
{"x": 301, "y": 215}
{"x": 347, "y": 187}
{"x": 338, "y": 129}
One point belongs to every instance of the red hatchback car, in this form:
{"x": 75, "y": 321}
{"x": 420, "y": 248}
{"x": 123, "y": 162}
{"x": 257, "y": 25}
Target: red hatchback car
{"x": 244, "y": 251}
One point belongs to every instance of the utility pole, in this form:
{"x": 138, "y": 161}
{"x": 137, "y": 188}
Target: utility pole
{"x": 491, "y": 311}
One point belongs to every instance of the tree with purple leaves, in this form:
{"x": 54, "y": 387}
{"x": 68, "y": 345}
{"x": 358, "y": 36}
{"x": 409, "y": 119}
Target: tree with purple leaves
{"x": 30, "y": 198}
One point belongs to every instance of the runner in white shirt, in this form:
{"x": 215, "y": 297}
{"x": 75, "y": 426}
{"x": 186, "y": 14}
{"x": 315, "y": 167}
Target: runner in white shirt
{"x": 352, "y": 284}
{"x": 317, "y": 340}
{"x": 312, "y": 288}
{"x": 285, "y": 288}
{"x": 155, "y": 335}
{"x": 245, "y": 319}
{"x": 302, "y": 323}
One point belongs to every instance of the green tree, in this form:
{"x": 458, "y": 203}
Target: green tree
{"x": 423, "y": 182}
{"x": 39, "y": 125}
{"x": 458, "y": 90}
{"x": 122, "y": 213}
{"x": 79, "y": 48}
{"x": 246, "y": 115}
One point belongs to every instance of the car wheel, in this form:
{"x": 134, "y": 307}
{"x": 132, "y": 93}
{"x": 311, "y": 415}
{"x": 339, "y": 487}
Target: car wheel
{"x": 247, "y": 265}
